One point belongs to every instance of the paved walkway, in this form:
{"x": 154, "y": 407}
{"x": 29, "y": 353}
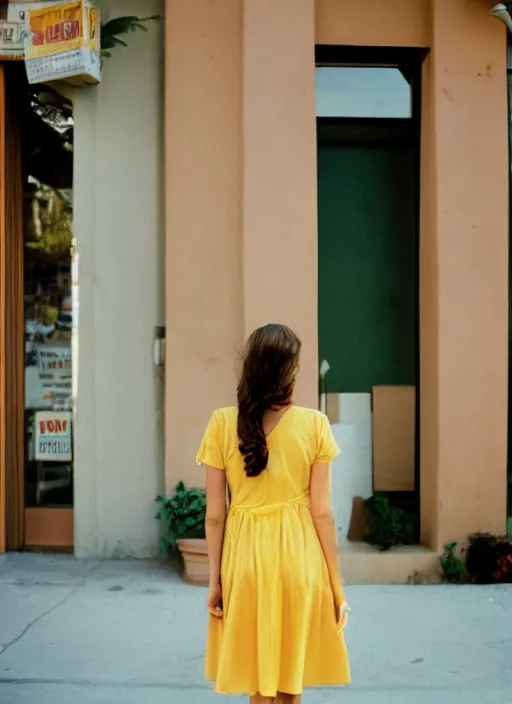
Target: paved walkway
{"x": 130, "y": 632}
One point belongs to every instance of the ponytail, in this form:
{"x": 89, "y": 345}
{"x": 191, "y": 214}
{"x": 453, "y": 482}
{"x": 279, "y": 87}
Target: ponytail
{"x": 267, "y": 383}
{"x": 253, "y": 443}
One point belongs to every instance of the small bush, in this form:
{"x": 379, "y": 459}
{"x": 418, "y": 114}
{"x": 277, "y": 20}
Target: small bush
{"x": 489, "y": 559}
{"x": 452, "y": 564}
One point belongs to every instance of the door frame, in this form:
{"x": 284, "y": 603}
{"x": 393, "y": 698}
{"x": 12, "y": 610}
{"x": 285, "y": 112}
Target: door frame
{"x": 3, "y": 423}
{"x": 12, "y": 451}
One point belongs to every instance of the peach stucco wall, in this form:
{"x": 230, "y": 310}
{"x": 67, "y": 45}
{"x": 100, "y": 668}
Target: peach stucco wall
{"x": 464, "y": 309}
{"x": 241, "y": 232}
{"x": 242, "y": 213}
{"x": 280, "y": 203}
{"x": 204, "y": 301}
{"x": 373, "y": 22}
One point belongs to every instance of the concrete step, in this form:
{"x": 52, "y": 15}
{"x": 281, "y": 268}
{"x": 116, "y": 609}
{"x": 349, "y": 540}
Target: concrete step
{"x": 363, "y": 564}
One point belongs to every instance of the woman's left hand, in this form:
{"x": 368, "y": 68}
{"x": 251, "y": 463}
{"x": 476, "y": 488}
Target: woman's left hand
{"x": 214, "y": 601}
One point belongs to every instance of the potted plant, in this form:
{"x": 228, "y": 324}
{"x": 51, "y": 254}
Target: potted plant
{"x": 183, "y": 515}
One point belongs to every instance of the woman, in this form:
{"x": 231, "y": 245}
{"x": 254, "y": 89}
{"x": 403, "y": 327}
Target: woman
{"x": 276, "y": 601}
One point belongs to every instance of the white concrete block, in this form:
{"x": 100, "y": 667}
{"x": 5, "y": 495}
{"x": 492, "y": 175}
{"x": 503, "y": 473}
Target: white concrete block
{"x": 363, "y": 436}
{"x": 347, "y": 437}
{"x": 352, "y": 473}
{"x": 363, "y": 458}
{"x": 355, "y": 409}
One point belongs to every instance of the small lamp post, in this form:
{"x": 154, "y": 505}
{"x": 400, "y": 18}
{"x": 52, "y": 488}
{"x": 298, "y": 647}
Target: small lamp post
{"x": 324, "y": 368}
{"x": 502, "y": 12}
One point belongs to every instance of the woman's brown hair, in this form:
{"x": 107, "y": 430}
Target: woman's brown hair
{"x": 270, "y": 366}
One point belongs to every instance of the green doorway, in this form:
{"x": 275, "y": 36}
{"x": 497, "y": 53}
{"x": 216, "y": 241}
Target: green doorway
{"x": 367, "y": 265}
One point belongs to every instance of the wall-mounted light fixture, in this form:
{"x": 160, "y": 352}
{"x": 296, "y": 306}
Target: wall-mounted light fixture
{"x": 502, "y": 12}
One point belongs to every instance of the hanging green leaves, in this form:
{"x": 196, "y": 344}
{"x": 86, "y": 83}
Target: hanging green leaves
{"x": 113, "y": 31}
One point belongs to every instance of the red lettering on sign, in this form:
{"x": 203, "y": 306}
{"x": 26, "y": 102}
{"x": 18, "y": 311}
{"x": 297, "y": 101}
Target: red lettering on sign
{"x": 37, "y": 38}
{"x": 62, "y": 32}
{"x": 53, "y": 426}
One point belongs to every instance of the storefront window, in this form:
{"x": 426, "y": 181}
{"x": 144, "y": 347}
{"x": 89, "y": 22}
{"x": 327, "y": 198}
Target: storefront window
{"x": 48, "y": 216}
{"x": 366, "y": 92}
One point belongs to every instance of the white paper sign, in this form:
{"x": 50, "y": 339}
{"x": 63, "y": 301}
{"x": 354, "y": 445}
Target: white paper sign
{"x": 52, "y": 436}
{"x": 11, "y": 39}
{"x": 54, "y": 361}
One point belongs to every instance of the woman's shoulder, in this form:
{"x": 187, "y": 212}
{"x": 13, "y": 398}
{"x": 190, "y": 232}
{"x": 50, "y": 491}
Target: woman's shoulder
{"x": 311, "y": 415}
{"x": 302, "y": 413}
{"x": 226, "y": 412}
{"x": 225, "y": 416}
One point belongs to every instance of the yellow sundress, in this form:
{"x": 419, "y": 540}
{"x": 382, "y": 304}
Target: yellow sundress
{"x": 279, "y": 632}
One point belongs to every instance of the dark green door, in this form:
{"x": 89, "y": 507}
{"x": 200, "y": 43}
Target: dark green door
{"x": 367, "y": 265}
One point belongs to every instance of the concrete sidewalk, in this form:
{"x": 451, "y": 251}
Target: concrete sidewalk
{"x": 127, "y": 632}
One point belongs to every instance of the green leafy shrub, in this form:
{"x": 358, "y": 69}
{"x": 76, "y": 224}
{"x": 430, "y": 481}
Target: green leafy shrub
{"x": 387, "y": 525}
{"x": 452, "y": 564}
{"x": 183, "y": 515}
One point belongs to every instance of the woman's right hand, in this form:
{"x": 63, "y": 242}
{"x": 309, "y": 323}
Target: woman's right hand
{"x": 341, "y": 612}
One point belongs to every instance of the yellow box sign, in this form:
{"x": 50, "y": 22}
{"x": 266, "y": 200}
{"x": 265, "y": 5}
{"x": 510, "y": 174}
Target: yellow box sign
{"x": 63, "y": 42}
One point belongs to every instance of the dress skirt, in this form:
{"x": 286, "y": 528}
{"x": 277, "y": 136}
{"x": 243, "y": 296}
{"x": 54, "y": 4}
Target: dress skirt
{"x": 279, "y": 632}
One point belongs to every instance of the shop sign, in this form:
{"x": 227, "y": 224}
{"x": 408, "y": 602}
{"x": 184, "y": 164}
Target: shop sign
{"x": 11, "y": 40}
{"x": 17, "y": 10}
{"x": 52, "y": 436}
{"x": 62, "y": 42}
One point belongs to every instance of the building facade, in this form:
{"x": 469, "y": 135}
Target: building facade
{"x": 253, "y": 231}
{"x": 242, "y": 215}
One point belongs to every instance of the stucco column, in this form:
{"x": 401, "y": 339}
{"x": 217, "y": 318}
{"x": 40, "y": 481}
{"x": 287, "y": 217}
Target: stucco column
{"x": 464, "y": 275}
{"x": 203, "y": 151}
{"x": 280, "y": 269}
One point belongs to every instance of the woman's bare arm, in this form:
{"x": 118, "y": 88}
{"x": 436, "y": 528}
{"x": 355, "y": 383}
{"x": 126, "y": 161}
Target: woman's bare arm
{"x": 215, "y": 519}
{"x": 323, "y": 519}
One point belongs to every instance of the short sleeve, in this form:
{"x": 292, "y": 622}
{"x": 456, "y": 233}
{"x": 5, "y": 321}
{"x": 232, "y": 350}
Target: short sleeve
{"x": 210, "y": 451}
{"x": 326, "y": 447}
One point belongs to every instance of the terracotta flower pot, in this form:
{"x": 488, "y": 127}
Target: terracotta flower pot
{"x": 195, "y": 556}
